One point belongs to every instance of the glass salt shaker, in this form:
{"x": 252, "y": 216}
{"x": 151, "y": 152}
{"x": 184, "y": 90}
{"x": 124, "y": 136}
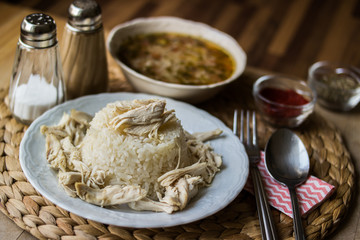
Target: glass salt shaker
{"x": 83, "y": 51}
{"x": 36, "y": 83}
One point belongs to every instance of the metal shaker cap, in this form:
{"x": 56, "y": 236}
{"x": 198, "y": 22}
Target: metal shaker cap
{"x": 85, "y": 15}
{"x": 38, "y": 30}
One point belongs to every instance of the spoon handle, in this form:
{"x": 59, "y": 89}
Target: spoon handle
{"x": 267, "y": 225}
{"x": 298, "y": 228}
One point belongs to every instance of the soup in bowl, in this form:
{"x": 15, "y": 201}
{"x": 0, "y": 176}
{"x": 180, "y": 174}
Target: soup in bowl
{"x": 176, "y": 58}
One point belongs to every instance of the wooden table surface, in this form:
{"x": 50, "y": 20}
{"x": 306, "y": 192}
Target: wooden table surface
{"x": 277, "y": 35}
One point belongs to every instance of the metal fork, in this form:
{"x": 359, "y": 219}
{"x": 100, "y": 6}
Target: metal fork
{"x": 252, "y": 149}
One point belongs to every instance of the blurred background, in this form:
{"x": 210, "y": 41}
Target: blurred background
{"x": 277, "y": 35}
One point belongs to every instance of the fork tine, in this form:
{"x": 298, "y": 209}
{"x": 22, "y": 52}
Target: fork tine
{"x": 235, "y": 122}
{"x": 248, "y": 127}
{"x": 242, "y": 126}
{"x": 240, "y": 133}
{"x": 254, "y": 128}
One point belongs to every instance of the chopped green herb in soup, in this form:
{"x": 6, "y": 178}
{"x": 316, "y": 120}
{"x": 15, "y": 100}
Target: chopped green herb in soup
{"x": 176, "y": 58}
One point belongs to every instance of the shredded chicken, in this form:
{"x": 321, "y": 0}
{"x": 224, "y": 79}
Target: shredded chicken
{"x": 68, "y": 180}
{"x": 205, "y": 136}
{"x": 170, "y": 177}
{"x": 151, "y": 205}
{"x": 54, "y": 153}
{"x": 109, "y": 195}
{"x": 182, "y": 191}
{"x": 142, "y": 118}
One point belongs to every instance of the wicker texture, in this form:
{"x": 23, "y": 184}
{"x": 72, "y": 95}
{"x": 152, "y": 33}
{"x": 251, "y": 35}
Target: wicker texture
{"x": 329, "y": 158}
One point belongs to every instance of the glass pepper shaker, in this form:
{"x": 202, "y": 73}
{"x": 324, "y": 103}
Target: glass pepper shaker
{"x": 36, "y": 83}
{"x": 83, "y": 51}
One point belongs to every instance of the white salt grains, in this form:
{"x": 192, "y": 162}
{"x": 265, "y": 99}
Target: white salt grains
{"x": 33, "y": 98}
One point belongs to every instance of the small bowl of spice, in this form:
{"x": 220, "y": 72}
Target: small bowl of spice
{"x": 283, "y": 101}
{"x": 337, "y": 85}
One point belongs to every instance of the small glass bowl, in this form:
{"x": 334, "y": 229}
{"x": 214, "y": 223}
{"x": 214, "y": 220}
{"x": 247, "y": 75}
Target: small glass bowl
{"x": 283, "y": 101}
{"x": 337, "y": 85}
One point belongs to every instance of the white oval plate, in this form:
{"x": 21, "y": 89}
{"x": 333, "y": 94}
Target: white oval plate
{"x": 226, "y": 186}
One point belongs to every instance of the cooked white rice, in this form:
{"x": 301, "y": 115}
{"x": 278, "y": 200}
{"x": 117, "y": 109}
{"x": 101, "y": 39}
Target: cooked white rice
{"x": 130, "y": 159}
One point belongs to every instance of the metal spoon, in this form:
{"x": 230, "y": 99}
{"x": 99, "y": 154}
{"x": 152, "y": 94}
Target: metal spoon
{"x": 287, "y": 161}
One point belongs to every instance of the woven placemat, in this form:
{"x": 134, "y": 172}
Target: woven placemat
{"x": 330, "y": 161}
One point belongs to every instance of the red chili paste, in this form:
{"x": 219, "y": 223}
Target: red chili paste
{"x": 286, "y": 97}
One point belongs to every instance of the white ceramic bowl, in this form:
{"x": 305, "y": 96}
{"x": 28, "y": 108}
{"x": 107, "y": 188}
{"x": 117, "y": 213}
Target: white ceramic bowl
{"x": 189, "y": 93}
